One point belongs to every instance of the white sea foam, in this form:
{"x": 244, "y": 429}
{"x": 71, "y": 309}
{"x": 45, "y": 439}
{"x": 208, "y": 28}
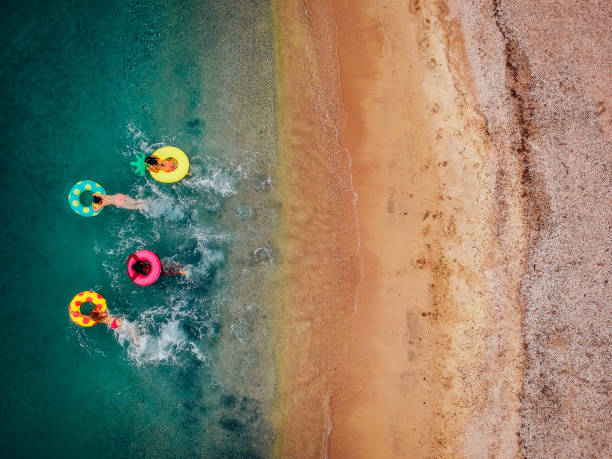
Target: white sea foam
{"x": 160, "y": 204}
{"x": 173, "y": 331}
{"x": 162, "y": 343}
{"x": 141, "y": 142}
{"x": 215, "y": 179}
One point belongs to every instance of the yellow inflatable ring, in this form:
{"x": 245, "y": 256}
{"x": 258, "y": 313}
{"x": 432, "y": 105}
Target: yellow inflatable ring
{"x": 182, "y": 168}
{"x": 74, "y": 310}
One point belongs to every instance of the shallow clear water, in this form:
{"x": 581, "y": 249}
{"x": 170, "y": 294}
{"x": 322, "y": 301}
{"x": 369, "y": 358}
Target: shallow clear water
{"x": 85, "y": 85}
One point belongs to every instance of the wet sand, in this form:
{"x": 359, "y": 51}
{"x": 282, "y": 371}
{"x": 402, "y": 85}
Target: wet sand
{"x": 411, "y": 319}
{"x": 318, "y": 240}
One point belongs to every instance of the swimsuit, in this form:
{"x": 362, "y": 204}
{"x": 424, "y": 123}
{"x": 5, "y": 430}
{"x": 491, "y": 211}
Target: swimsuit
{"x": 170, "y": 166}
{"x": 114, "y": 325}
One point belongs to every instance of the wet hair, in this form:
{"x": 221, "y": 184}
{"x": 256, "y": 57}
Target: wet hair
{"x": 141, "y": 267}
{"x": 97, "y": 199}
{"x": 151, "y": 161}
{"x": 97, "y": 315}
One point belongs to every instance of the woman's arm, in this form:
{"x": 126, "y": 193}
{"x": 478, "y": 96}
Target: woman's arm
{"x": 106, "y": 200}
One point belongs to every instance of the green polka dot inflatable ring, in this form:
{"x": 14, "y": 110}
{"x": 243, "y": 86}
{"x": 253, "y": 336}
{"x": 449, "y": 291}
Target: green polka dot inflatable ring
{"x": 74, "y": 197}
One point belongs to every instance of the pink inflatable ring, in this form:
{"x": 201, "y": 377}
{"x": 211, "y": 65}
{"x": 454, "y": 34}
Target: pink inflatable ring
{"x": 144, "y": 279}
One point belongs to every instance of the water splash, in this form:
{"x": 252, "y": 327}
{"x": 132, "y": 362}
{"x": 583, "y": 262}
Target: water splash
{"x": 168, "y": 344}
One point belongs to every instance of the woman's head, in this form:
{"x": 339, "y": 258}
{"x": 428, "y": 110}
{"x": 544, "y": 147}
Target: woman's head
{"x": 151, "y": 161}
{"x": 98, "y": 315}
{"x": 97, "y": 199}
{"x": 141, "y": 267}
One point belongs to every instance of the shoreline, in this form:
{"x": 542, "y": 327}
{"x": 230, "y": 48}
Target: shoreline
{"x": 394, "y": 324}
{"x": 414, "y": 324}
{"x": 318, "y": 237}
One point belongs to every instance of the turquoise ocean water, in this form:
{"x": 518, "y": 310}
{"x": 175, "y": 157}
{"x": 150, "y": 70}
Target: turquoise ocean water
{"x": 85, "y": 85}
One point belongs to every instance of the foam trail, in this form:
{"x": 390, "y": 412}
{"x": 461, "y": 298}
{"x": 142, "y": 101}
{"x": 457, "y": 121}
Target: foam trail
{"x": 140, "y": 142}
{"x": 215, "y": 179}
{"x": 166, "y": 344}
{"x": 160, "y": 204}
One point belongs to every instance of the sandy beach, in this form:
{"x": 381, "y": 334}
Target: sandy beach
{"x": 318, "y": 239}
{"x": 387, "y": 235}
{"x": 428, "y": 200}
{"x": 437, "y": 324}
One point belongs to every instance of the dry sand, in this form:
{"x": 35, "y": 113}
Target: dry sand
{"x": 437, "y": 346}
{"x": 458, "y": 307}
{"x": 552, "y": 112}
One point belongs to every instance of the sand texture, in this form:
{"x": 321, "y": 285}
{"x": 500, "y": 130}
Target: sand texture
{"x": 460, "y": 306}
{"x": 319, "y": 238}
{"x": 437, "y": 339}
{"x": 555, "y": 95}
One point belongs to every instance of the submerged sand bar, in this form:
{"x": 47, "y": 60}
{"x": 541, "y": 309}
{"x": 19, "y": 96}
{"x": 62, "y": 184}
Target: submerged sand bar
{"x": 422, "y": 203}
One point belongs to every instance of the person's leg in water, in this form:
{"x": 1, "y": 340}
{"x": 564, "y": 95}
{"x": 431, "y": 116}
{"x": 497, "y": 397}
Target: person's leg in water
{"x": 131, "y": 203}
{"x": 169, "y": 270}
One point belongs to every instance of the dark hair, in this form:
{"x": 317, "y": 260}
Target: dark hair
{"x": 97, "y": 199}
{"x": 141, "y": 267}
{"x": 151, "y": 160}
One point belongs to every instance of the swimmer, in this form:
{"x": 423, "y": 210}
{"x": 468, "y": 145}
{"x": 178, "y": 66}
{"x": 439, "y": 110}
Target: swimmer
{"x": 117, "y": 200}
{"x": 103, "y": 318}
{"x": 154, "y": 164}
{"x": 144, "y": 268}
{"x": 170, "y": 270}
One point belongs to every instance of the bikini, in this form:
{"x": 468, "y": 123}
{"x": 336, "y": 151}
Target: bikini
{"x": 169, "y": 167}
{"x": 114, "y": 325}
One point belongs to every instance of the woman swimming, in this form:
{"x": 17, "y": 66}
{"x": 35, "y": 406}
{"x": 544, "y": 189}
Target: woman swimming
{"x": 103, "y": 318}
{"x": 154, "y": 164}
{"x": 117, "y": 200}
{"x": 143, "y": 267}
